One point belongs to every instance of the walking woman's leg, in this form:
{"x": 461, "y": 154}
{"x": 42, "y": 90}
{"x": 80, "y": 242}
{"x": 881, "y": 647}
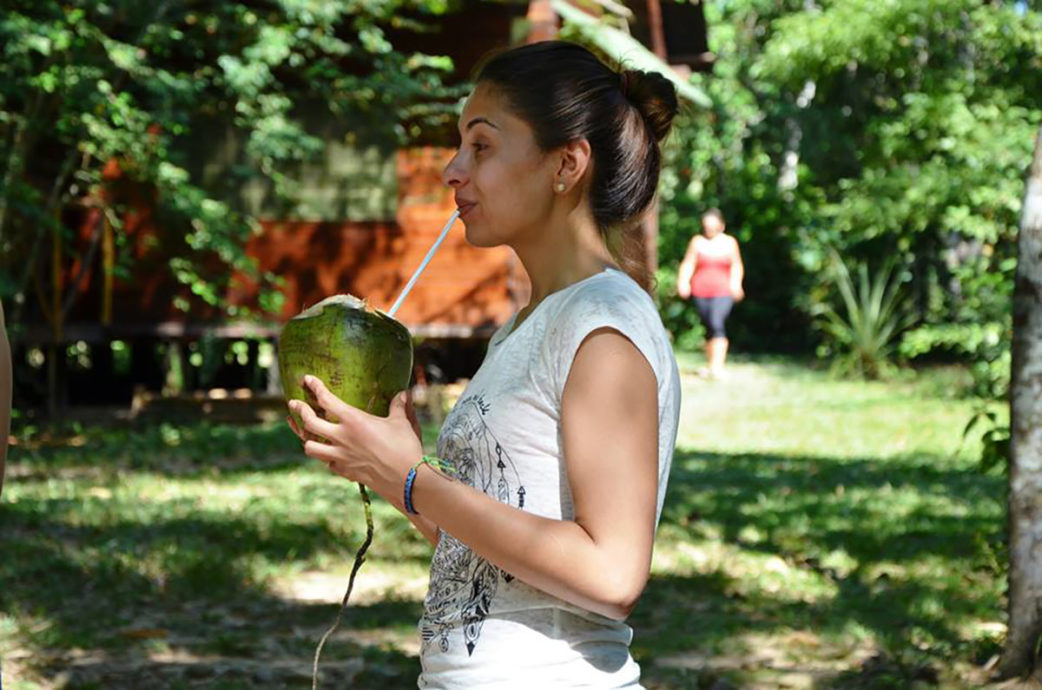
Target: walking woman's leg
{"x": 717, "y": 349}
{"x": 705, "y": 315}
{"x": 718, "y": 343}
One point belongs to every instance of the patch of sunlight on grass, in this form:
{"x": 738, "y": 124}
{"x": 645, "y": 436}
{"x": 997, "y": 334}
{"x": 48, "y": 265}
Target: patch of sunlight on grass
{"x": 748, "y": 573}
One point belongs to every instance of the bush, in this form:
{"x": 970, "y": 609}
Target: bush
{"x": 860, "y": 335}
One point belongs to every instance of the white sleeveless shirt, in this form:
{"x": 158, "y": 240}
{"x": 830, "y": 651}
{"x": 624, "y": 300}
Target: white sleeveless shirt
{"x": 481, "y": 627}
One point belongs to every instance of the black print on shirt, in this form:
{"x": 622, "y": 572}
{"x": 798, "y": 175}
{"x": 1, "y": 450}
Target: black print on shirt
{"x": 463, "y": 584}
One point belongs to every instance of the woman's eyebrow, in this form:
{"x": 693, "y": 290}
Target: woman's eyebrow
{"x": 478, "y": 120}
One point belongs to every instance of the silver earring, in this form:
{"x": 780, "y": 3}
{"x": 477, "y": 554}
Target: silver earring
{"x": 561, "y": 186}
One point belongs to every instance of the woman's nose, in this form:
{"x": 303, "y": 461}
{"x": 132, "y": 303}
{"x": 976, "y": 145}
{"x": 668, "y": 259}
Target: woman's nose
{"x": 454, "y": 175}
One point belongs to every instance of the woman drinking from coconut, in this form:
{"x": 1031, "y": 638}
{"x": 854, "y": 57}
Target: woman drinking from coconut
{"x": 556, "y": 455}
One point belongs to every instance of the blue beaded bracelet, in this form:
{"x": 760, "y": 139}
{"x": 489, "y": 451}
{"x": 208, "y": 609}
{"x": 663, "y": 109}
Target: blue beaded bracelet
{"x": 409, "y": 479}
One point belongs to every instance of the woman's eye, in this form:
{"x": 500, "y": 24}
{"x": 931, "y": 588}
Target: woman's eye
{"x": 479, "y": 146}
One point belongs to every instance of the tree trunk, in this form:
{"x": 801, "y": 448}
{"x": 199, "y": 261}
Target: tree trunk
{"x": 274, "y": 379}
{"x": 787, "y": 177}
{"x": 20, "y": 145}
{"x": 55, "y": 202}
{"x": 56, "y": 380}
{"x": 658, "y": 36}
{"x": 650, "y": 226}
{"x": 542, "y": 21}
{"x": 1019, "y": 657}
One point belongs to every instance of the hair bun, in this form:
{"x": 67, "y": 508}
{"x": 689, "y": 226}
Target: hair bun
{"x": 654, "y": 96}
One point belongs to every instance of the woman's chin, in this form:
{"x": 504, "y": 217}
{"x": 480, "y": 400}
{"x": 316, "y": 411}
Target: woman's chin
{"x": 476, "y": 237}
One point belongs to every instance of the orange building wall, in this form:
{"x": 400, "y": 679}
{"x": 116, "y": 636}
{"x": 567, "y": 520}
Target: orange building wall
{"x": 462, "y": 288}
{"x": 465, "y": 291}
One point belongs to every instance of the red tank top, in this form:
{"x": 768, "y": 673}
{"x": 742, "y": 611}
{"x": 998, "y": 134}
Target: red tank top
{"x": 712, "y": 276}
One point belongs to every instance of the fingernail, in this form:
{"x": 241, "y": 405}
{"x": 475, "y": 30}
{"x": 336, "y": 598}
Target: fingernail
{"x": 307, "y": 380}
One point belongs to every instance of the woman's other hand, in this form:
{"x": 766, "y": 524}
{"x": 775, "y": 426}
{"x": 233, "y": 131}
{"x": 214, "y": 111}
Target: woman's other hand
{"x": 376, "y": 451}
{"x": 737, "y": 293}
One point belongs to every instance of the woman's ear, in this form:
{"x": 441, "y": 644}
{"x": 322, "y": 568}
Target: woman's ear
{"x": 574, "y": 161}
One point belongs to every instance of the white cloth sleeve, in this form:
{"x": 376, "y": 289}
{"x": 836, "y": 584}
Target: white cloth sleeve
{"x": 589, "y": 308}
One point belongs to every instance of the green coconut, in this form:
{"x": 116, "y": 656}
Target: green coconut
{"x": 362, "y": 355}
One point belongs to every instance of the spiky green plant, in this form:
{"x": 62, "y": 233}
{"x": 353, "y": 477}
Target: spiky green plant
{"x": 862, "y": 332}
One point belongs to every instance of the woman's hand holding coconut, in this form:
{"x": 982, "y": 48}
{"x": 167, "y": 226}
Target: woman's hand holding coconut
{"x": 376, "y": 451}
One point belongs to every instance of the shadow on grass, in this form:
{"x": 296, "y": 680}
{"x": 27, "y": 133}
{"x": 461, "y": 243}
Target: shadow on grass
{"x": 176, "y": 601}
{"x": 175, "y": 450}
{"x": 908, "y": 547}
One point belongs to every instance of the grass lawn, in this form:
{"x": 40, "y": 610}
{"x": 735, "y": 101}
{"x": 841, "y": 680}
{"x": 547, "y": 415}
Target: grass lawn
{"x": 816, "y": 534}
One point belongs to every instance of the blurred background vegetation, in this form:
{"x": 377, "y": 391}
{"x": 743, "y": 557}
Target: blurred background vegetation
{"x": 896, "y": 134}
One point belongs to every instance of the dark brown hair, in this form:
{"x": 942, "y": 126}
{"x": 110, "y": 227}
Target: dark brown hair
{"x": 564, "y": 93}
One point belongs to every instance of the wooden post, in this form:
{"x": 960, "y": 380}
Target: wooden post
{"x": 658, "y": 37}
{"x": 56, "y": 355}
{"x": 108, "y": 257}
{"x": 254, "y": 372}
{"x": 650, "y": 226}
{"x": 274, "y": 379}
{"x": 174, "y": 368}
{"x": 650, "y": 223}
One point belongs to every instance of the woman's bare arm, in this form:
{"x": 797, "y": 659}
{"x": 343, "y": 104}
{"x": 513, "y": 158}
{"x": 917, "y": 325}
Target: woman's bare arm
{"x": 737, "y": 272}
{"x": 687, "y": 269}
{"x": 601, "y": 560}
{"x": 427, "y": 528}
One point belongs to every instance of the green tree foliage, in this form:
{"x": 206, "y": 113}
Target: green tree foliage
{"x": 90, "y": 82}
{"x": 894, "y": 131}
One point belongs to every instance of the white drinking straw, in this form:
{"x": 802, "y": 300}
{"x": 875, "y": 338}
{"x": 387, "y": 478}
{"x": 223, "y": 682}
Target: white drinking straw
{"x": 426, "y": 260}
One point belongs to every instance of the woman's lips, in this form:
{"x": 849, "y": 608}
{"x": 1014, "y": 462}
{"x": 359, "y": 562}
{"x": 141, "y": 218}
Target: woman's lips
{"x": 465, "y": 208}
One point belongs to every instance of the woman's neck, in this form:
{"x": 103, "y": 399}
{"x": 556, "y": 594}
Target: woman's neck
{"x": 565, "y": 253}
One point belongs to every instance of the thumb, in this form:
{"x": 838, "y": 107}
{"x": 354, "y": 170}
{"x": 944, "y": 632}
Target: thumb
{"x": 399, "y": 403}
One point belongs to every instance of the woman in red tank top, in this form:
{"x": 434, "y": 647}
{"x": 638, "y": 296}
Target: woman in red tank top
{"x": 712, "y": 274}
